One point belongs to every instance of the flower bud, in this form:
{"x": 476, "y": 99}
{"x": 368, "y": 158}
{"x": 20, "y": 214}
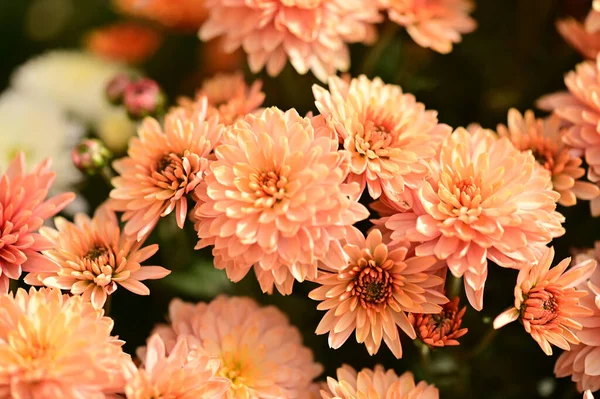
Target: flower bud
{"x": 90, "y": 156}
{"x": 143, "y": 98}
{"x": 115, "y": 89}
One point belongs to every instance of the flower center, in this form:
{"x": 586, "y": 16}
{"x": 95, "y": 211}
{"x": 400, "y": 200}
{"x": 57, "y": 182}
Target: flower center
{"x": 373, "y": 284}
{"x": 467, "y": 192}
{"x": 170, "y": 173}
{"x": 374, "y": 141}
{"x": 268, "y": 187}
{"x": 301, "y": 3}
{"x": 96, "y": 253}
{"x": 541, "y": 305}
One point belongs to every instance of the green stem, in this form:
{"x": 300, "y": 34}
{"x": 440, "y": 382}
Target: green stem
{"x": 370, "y": 61}
{"x": 453, "y": 286}
{"x": 485, "y": 341}
{"x": 107, "y": 174}
{"x": 424, "y": 354}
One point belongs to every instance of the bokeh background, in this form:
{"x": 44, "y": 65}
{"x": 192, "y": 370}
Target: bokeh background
{"x": 513, "y": 58}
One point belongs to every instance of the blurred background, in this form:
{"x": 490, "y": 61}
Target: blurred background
{"x": 514, "y": 57}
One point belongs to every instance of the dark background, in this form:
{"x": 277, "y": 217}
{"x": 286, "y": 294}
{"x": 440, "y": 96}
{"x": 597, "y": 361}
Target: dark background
{"x": 514, "y": 57}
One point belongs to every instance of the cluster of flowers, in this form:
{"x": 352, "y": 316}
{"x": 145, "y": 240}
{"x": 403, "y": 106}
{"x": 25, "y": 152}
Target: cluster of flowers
{"x": 279, "y": 193}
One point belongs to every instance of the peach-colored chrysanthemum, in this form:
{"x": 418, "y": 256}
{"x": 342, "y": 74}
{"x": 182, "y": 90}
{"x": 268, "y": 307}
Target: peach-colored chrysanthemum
{"x": 373, "y": 291}
{"x": 376, "y": 384}
{"x": 276, "y": 200}
{"x": 179, "y": 14}
{"x": 547, "y": 302}
{"x": 389, "y": 134}
{"x": 23, "y": 210}
{"x": 435, "y": 24}
{"x": 229, "y": 97}
{"x": 484, "y": 200}
{"x": 56, "y": 346}
{"x": 585, "y": 38}
{"x": 582, "y": 362}
{"x": 163, "y": 166}
{"x": 93, "y": 258}
{"x": 588, "y": 395}
{"x": 260, "y": 352}
{"x": 183, "y": 373}
{"x": 579, "y": 108}
{"x": 312, "y": 34}
{"x": 124, "y": 41}
{"x": 440, "y": 329}
{"x": 544, "y": 138}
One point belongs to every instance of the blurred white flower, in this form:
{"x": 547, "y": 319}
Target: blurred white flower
{"x": 41, "y": 130}
{"x": 115, "y": 129}
{"x": 75, "y": 81}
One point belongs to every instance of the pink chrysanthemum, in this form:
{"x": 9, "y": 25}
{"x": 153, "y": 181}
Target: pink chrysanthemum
{"x": 585, "y": 38}
{"x": 376, "y": 384}
{"x": 23, "y": 210}
{"x": 484, "y": 200}
{"x": 260, "y": 352}
{"x": 582, "y": 362}
{"x": 312, "y": 34}
{"x": 547, "y": 302}
{"x": 435, "y": 24}
{"x": 228, "y": 96}
{"x": 390, "y": 135}
{"x": 182, "y": 374}
{"x": 276, "y": 200}
{"x": 93, "y": 258}
{"x": 162, "y": 168}
{"x": 373, "y": 292}
{"x": 56, "y": 346}
{"x": 544, "y": 138}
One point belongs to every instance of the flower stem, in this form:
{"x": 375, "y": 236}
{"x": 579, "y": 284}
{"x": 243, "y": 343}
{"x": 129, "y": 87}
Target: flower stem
{"x": 454, "y": 286}
{"x": 485, "y": 341}
{"x": 370, "y": 61}
{"x": 425, "y": 357}
{"x": 107, "y": 174}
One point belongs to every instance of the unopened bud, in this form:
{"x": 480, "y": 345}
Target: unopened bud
{"x": 91, "y": 156}
{"x": 115, "y": 89}
{"x": 143, "y": 98}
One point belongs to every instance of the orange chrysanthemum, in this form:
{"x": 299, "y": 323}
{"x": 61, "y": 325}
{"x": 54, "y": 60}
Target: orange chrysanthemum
{"x": 124, "y": 41}
{"x": 544, "y": 139}
{"x": 585, "y": 38}
{"x": 389, "y": 134}
{"x": 23, "y": 210}
{"x": 376, "y": 384}
{"x": 547, "y": 302}
{"x": 312, "y": 34}
{"x": 484, "y": 200}
{"x": 440, "y": 329}
{"x": 56, "y": 346}
{"x": 276, "y": 200}
{"x": 260, "y": 352}
{"x": 588, "y": 395}
{"x": 93, "y": 258}
{"x": 373, "y": 292}
{"x": 435, "y": 24}
{"x": 229, "y": 97}
{"x": 182, "y": 374}
{"x": 162, "y": 168}
{"x": 179, "y": 14}
{"x": 582, "y": 362}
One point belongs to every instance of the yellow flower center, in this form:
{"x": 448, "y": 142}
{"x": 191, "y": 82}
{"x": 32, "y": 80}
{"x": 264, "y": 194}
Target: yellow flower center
{"x": 374, "y": 141}
{"x": 269, "y": 188}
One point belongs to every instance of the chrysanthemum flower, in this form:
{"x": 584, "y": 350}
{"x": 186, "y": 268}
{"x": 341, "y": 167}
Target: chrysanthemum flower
{"x": 435, "y": 24}
{"x": 229, "y": 97}
{"x": 93, "y": 258}
{"x": 485, "y": 200}
{"x": 373, "y": 292}
{"x": 179, "y": 14}
{"x": 544, "y": 138}
{"x": 276, "y": 200}
{"x": 588, "y": 395}
{"x": 23, "y": 210}
{"x": 585, "y": 38}
{"x": 182, "y": 374}
{"x": 547, "y": 302}
{"x": 389, "y": 134}
{"x": 312, "y": 34}
{"x": 582, "y": 362}
{"x": 162, "y": 168}
{"x": 55, "y": 346}
{"x": 440, "y": 329}
{"x": 376, "y": 384}
{"x": 580, "y": 110}
{"x": 124, "y": 41}
{"x": 260, "y": 352}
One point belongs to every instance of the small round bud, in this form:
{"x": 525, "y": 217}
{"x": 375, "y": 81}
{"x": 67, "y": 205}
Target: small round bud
{"x": 143, "y": 98}
{"x": 90, "y": 156}
{"x": 115, "y": 89}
